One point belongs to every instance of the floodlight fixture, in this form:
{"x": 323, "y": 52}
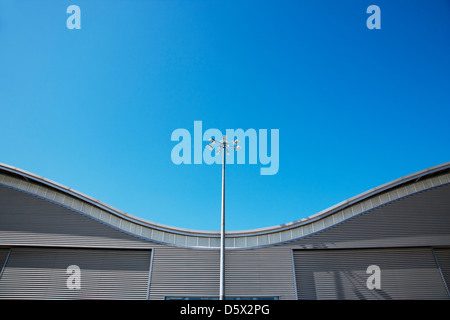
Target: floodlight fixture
{"x": 223, "y": 144}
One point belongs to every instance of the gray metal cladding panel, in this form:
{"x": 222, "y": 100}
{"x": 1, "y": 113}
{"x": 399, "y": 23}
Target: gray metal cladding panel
{"x": 30, "y": 220}
{"x": 184, "y": 272}
{"x": 418, "y": 220}
{"x": 41, "y": 273}
{"x": 407, "y": 273}
{"x": 260, "y": 272}
{"x": 443, "y": 258}
{"x": 195, "y": 273}
{"x": 3, "y": 255}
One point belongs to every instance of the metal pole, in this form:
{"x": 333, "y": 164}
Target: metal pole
{"x": 222, "y": 232}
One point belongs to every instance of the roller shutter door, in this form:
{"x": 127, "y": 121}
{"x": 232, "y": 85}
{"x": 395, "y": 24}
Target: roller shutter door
{"x": 407, "y": 273}
{"x": 41, "y": 273}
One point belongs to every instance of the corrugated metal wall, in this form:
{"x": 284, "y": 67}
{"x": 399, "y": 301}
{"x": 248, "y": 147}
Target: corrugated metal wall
{"x": 419, "y": 220}
{"x": 41, "y": 273}
{"x": 405, "y": 273}
{"x": 26, "y": 220}
{"x": 184, "y": 272}
{"x": 195, "y": 273}
{"x": 260, "y": 272}
{"x": 30, "y": 220}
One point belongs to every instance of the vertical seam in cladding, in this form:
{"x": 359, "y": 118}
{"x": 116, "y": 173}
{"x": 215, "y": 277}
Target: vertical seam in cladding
{"x": 4, "y": 264}
{"x": 150, "y": 273}
{"x": 440, "y": 271}
{"x": 293, "y": 274}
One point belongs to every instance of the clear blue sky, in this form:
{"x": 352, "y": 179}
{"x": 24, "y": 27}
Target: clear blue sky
{"x": 94, "y": 109}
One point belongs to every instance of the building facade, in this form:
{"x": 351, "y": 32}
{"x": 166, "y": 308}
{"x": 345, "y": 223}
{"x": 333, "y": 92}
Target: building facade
{"x": 57, "y": 243}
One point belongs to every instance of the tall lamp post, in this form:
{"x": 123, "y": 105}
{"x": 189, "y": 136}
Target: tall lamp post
{"x": 223, "y": 144}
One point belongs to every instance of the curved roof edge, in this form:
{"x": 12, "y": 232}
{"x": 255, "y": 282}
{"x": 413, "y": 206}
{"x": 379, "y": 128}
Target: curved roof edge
{"x": 48, "y": 189}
